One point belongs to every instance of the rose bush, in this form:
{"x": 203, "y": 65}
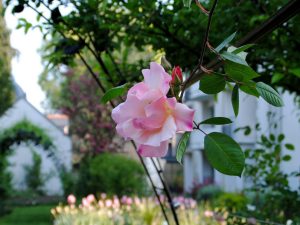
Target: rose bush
{"x": 149, "y": 117}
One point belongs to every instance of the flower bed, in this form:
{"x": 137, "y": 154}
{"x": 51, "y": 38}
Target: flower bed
{"x": 128, "y": 210}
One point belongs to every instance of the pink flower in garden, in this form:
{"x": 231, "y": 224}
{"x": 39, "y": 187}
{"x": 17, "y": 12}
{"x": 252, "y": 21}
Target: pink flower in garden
{"x": 149, "y": 117}
{"x": 101, "y": 203}
{"x": 128, "y": 201}
{"x": 71, "y": 199}
{"x": 108, "y": 203}
{"x": 103, "y": 195}
{"x": 116, "y": 202}
{"x": 85, "y": 202}
{"x": 208, "y": 213}
{"x": 123, "y": 199}
{"x": 90, "y": 198}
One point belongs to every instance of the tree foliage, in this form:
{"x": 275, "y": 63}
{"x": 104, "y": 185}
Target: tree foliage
{"x": 91, "y": 126}
{"x": 6, "y": 96}
{"x": 109, "y": 25}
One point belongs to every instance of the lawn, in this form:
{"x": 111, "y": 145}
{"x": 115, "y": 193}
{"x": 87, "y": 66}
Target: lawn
{"x": 28, "y": 215}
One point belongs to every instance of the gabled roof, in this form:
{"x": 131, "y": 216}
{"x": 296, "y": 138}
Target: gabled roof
{"x": 18, "y": 90}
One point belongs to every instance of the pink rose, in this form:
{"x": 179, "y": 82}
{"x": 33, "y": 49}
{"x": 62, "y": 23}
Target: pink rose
{"x": 71, "y": 199}
{"x": 148, "y": 117}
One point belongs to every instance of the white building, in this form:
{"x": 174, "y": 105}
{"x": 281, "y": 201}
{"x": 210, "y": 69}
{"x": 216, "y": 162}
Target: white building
{"x": 22, "y": 155}
{"x": 197, "y": 170}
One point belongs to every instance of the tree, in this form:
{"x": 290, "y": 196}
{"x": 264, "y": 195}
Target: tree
{"x": 6, "y": 97}
{"x": 91, "y": 125}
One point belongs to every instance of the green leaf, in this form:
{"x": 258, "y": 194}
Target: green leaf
{"x": 276, "y": 77}
{"x": 289, "y": 147}
{"x": 280, "y": 137}
{"x": 18, "y": 9}
{"x": 242, "y": 48}
{"x": 247, "y": 131}
{"x": 27, "y": 27}
{"x": 234, "y": 58}
{"x": 286, "y": 158}
{"x": 269, "y": 94}
{"x": 239, "y": 72}
{"x": 212, "y": 83}
{"x": 113, "y": 93}
{"x": 249, "y": 88}
{"x": 235, "y": 100}
{"x": 217, "y": 121}
{"x": 224, "y": 154}
{"x": 225, "y": 42}
{"x": 295, "y": 71}
{"x": 187, "y": 3}
{"x": 181, "y": 147}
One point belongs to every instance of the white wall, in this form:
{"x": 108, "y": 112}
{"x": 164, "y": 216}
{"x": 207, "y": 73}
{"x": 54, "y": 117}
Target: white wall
{"x": 290, "y": 126}
{"x": 23, "y": 110}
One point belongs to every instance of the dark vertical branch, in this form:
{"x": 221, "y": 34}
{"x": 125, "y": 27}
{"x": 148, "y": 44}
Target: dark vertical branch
{"x": 115, "y": 64}
{"x": 204, "y": 44}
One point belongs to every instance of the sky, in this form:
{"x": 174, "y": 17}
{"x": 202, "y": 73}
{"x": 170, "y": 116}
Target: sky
{"x": 27, "y": 65}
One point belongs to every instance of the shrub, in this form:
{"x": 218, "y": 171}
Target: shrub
{"x": 232, "y": 202}
{"x": 110, "y": 173}
{"x": 209, "y": 192}
{"x": 68, "y": 181}
{"x": 34, "y": 179}
{"x": 5, "y": 183}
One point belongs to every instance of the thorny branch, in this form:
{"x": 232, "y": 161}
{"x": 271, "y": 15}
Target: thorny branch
{"x": 204, "y": 44}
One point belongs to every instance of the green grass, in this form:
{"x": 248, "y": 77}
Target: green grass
{"x": 28, "y": 215}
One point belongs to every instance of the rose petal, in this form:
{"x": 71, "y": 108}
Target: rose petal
{"x": 183, "y": 117}
{"x": 155, "y": 137}
{"x": 171, "y": 102}
{"x": 128, "y": 130}
{"x": 158, "y": 107}
{"x": 131, "y": 108}
{"x": 150, "y": 151}
{"x": 157, "y": 78}
{"x": 138, "y": 90}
